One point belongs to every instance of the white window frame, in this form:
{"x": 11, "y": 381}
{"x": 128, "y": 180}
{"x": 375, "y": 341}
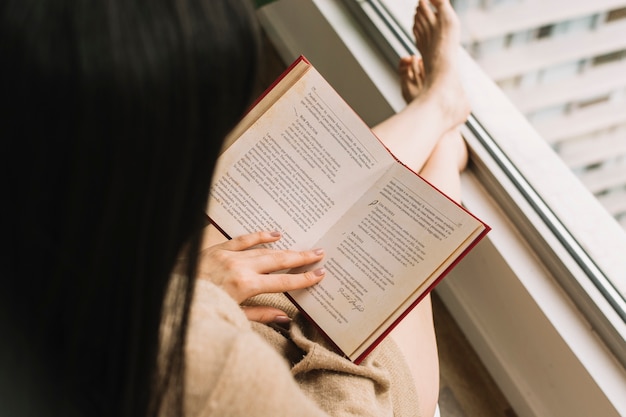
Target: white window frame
{"x": 507, "y": 295}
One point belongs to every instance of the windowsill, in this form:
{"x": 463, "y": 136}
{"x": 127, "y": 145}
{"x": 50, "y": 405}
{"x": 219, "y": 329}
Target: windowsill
{"x": 539, "y": 348}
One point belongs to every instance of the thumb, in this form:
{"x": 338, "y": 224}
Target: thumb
{"x": 265, "y": 314}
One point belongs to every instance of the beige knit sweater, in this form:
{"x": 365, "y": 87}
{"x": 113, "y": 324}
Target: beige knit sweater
{"x": 237, "y": 368}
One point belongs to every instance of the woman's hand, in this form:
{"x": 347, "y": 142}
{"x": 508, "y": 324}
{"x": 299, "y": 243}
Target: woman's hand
{"x": 244, "y": 271}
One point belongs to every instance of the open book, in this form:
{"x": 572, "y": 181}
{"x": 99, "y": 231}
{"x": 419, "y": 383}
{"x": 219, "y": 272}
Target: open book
{"x": 303, "y": 162}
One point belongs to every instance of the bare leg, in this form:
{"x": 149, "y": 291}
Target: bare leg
{"x": 415, "y": 335}
{"x": 432, "y": 88}
{"x": 425, "y": 136}
{"x": 445, "y": 164}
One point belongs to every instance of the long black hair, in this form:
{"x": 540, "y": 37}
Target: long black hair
{"x": 112, "y": 114}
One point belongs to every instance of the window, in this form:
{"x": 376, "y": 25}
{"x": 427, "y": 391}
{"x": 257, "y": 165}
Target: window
{"x": 609, "y": 57}
{"x": 616, "y": 14}
{"x": 544, "y": 31}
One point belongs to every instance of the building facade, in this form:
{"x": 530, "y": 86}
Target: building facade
{"x": 563, "y": 63}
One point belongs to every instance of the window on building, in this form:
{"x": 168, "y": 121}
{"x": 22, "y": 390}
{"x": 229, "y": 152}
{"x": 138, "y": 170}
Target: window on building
{"x": 544, "y": 31}
{"x": 616, "y": 14}
{"x": 610, "y": 57}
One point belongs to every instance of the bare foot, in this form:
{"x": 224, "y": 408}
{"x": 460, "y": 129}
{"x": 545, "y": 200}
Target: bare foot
{"x": 437, "y": 36}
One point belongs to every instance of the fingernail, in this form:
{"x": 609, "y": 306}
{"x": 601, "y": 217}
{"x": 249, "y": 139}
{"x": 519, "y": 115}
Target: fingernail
{"x": 318, "y": 251}
{"x": 275, "y": 234}
{"x": 281, "y": 319}
{"x": 319, "y": 272}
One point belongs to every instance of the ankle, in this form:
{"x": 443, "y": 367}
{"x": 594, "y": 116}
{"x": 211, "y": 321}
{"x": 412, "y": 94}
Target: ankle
{"x": 449, "y": 105}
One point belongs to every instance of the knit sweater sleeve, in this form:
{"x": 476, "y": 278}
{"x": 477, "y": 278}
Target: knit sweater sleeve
{"x": 230, "y": 370}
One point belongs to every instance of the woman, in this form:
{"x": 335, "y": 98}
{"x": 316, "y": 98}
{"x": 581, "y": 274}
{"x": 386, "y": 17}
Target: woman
{"x": 113, "y": 114}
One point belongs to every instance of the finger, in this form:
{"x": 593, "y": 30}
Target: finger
{"x": 270, "y": 260}
{"x": 265, "y": 314}
{"x": 247, "y": 241}
{"x": 277, "y": 283}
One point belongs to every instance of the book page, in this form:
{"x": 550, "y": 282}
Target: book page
{"x": 384, "y": 252}
{"x": 298, "y": 168}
